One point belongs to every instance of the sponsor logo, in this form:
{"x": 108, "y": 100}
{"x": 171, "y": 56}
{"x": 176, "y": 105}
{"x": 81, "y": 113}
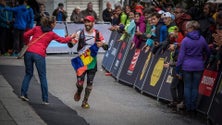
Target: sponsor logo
{"x": 157, "y": 71}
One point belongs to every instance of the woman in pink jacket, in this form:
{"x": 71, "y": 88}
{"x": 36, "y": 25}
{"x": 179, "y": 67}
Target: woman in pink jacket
{"x": 35, "y": 54}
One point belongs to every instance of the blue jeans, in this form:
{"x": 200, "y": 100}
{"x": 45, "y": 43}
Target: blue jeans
{"x": 191, "y": 85}
{"x": 30, "y": 59}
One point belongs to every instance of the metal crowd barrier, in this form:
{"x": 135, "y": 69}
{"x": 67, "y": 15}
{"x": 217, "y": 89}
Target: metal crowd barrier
{"x": 145, "y": 72}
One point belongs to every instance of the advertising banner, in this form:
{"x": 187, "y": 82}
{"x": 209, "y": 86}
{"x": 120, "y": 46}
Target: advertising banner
{"x": 164, "y": 92}
{"x": 206, "y": 89}
{"x": 120, "y": 58}
{"x": 156, "y": 75}
{"x": 111, "y": 53}
{"x": 215, "y": 111}
{"x": 143, "y": 69}
{"x": 207, "y": 82}
{"x": 134, "y": 60}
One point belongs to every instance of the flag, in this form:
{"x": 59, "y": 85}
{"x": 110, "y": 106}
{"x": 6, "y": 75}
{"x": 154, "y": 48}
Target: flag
{"x": 85, "y": 61}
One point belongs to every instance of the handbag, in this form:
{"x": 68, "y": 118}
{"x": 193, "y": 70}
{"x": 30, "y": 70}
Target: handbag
{"x": 25, "y": 47}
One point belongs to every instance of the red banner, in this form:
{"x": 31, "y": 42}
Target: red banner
{"x": 207, "y": 82}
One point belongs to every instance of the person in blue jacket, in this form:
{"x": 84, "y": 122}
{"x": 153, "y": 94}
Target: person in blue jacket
{"x": 6, "y": 22}
{"x": 30, "y": 16}
{"x": 21, "y": 14}
{"x": 161, "y": 33}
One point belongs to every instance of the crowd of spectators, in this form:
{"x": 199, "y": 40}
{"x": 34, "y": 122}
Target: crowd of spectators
{"x": 191, "y": 34}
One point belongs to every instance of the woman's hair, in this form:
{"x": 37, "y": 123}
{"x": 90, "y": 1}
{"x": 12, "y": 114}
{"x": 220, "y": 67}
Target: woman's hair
{"x": 193, "y": 24}
{"x": 46, "y": 21}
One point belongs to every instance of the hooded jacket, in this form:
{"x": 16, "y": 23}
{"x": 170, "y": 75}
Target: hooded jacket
{"x": 191, "y": 55}
{"x": 142, "y": 28}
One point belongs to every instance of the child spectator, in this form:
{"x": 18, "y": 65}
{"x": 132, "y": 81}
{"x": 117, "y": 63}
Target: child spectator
{"x": 161, "y": 32}
{"x": 176, "y": 87}
{"x": 149, "y": 41}
{"x": 140, "y": 29}
{"x": 129, "y": 29}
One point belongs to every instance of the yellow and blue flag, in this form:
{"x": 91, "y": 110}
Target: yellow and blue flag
{"x": 85, "y": 61}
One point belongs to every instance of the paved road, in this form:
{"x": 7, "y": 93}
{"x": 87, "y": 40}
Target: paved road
{"x": 111, "y": 103}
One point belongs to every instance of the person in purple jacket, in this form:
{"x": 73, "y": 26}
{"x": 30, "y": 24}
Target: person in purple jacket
{"x": 191, "y": 61}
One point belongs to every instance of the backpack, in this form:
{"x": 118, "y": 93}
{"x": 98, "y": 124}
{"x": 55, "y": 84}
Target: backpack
{"x": 82, "y": 40}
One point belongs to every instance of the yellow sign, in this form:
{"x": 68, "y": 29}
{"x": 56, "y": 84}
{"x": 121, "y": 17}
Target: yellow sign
{"x": 157, "y": 71}
{"x": 145, "y": 66}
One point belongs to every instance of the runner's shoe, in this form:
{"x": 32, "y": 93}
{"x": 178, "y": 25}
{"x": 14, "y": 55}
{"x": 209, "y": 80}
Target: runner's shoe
{"x": 85, "y": 105}
{"x": 77, "y": 97}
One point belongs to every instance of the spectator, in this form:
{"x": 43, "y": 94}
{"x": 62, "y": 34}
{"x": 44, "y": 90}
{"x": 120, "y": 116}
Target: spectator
{"x": 191, "y": 62}
{"x": 177, "y": 86}
{"x": 122, "y": 15}
{"x": 139, "y": 8}
{"x": 219, "y": 18}
{"x": 30, "y": 16}
{"x": 214, "y": 62}
{"x": 89, "y": 12}
{"x": 161, "y": 33}
{"x": 60, "y": 13}
{"x": 173, "y": 40}
{"x": 127, "y": 11}
{"x": 181, "y": 18}
{"x": 115, "y": 19}
{"x": 169, "y": 8}
{"x": 6, "y": 22}
{"x": 174, "y": 36}
{"x": 140, "y": 29}
{"x": 107, "y": 13}
{"x": 76, "y": 15}
{"x": 129, "y": 29}
{"x": 42, "y": 13}
{"x": 35, "y": 54}
{"x": 207, "y": 23}
{"x": 20, "y": 25}
{"x": 122, "y": 19}
{"x": 147, "y": 13}
{"x": 149, "y": 35}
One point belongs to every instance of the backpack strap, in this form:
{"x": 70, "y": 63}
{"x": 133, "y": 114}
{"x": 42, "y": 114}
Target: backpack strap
{"x": 81, "y": 41}
{"x": 97, "y": 35}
